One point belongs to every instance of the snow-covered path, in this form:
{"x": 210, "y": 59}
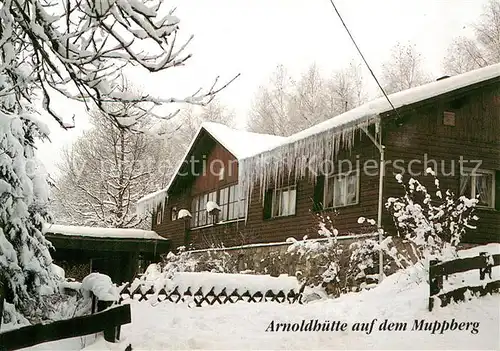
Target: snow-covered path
{"x": 401, "y": 298}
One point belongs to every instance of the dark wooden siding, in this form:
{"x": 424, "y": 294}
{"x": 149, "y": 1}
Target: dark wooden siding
{"x": 257, "y": 229}
{"x": 476, "y": 136}
{"x": 209, "y": 180}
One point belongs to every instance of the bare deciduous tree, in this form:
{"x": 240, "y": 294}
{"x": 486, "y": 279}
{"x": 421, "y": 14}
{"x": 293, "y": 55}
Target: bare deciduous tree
{"x": 190, "y": 119}
{"x": 466, "y": 54}
{"x": 404, "y": 69}
{"x": 106, "y": 171}
{"x": 109, "y": 168}
{"x": 345, "y": 89}
{"x": 287, "y": 106}
{"x": 270, "y": 109}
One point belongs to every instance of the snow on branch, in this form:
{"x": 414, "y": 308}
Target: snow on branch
{"x": 434, "y": 222}
{"x": 80, "y": 48}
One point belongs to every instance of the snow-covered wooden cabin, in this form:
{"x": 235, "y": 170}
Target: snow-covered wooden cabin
{"x": 119, "y": 253}
{"x": 262, "y": 188}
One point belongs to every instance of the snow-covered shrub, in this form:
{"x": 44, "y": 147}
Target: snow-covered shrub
{"x": 321, "y": 258}
{"x": 180, "y": 262}
{"x": 363, "y": 267}
{"x": 215, "y": 261}
{"x": 434, "y": 222}
{"x": 363, "y": 263}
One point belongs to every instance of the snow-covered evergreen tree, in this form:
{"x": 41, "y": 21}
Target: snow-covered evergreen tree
{"x": 24, "y": 257}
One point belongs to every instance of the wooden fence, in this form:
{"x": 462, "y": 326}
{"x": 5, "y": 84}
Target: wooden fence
{"x": 201, "y": 298}
{"x": 68, "y": 328}
{"x": 104, "y": 318}
{"x": 437, "y": 270}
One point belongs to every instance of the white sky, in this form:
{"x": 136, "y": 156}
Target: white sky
{"x": 252, "y": 37}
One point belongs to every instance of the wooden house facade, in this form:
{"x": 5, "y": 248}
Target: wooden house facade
{"x": 451, "y": 125}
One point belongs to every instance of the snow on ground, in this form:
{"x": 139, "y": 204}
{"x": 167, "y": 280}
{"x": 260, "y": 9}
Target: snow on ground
{"x": 401, "y": 298}
{"x": 216, "y": 281}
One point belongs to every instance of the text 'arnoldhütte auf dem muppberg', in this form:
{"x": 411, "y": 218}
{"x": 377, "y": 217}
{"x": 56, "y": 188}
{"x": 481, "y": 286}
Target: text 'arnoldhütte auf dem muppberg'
{"x": 418, "y": 325}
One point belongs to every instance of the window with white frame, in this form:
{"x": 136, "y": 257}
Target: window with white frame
{"x": 478, "y": 184}
{"x": 159, "y": 212}
{"x": 200, "y": 216}
{"x": 341, "y": 190}
{"x": 232, "y": 206}
{"x": 284, "y": 201}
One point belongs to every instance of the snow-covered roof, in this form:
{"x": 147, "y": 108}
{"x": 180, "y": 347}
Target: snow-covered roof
{"x": 370, "y": 110}
{"x": 241, "y": 144}
{"x": 96, "y": 232}
{"x": 262, "y": 157}
{"x": 308, "y": 148}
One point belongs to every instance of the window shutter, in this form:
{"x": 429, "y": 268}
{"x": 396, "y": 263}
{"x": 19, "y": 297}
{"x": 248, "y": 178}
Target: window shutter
{"x": 319, "y": 189}
{"x": 497, "y": 190}
{"x": 268, "y": 204}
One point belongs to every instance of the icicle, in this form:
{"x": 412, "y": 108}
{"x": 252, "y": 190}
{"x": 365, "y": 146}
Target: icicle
{"x": 302, "y": 155}
{"x": 151, "y": 202}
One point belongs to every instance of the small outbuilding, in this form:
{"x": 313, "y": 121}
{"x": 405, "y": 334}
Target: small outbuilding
{"x": 119, "y": 253}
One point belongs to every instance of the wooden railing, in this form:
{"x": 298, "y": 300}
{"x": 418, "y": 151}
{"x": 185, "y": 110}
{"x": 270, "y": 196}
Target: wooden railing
{"x": 437, "y": 270}
{"x": 203, "y": 298}
{"x": 69, "y": 328}
{"x": 104, "y": 318}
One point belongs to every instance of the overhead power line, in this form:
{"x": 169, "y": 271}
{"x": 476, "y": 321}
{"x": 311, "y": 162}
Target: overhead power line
{"x": 363, "y": 57}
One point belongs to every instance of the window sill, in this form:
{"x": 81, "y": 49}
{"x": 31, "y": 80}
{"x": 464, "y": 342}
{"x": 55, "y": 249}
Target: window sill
{"x": 484, "y": 208}
{"x": 335, "y": 208}
{"x": 203, "y": 226}
{"x": 231, "y": 221}
{"x": 279, "y": 217}
{"x": 218, "y": 223}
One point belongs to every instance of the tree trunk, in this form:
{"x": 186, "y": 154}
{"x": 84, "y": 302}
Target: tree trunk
{"x": 2, "y": 298}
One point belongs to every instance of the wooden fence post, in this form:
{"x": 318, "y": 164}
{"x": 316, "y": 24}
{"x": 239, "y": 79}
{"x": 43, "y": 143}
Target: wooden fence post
{"x": 2, "y": 298}
{"x": 486, "y": 269}
{"x": 111, "y": 334}
{"x": 435, "y": 282}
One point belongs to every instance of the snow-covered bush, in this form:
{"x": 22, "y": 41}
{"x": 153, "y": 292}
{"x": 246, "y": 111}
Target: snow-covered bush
{"x": 180, "y": 262}
{"x": 363, "y": 263}
{"x": 215, "y": 261}
{"x": 324, "y": 255}
{"x": 363, "y": 269}
{"x": 434, "y": 222}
